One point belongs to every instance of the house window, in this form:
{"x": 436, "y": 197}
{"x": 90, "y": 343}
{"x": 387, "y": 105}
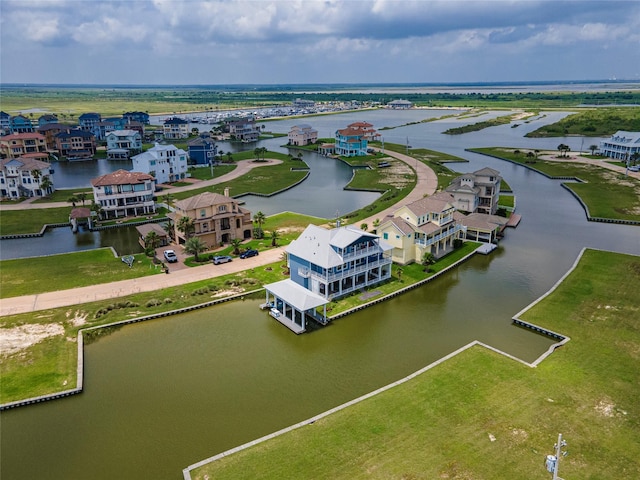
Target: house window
{"x": 385, "y": 235}
{"x": 203, "y": 213}
{"x": 222, "y": 208}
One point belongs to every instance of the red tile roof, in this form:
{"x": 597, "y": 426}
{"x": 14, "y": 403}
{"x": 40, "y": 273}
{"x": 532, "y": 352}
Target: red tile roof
{"x": 121, "y": 177}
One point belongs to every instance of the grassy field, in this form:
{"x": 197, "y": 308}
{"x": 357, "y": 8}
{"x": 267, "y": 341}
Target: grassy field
{"x": 483, "y": 416}
{"x": 31, "y": 221}
{"x": 599, "y": 122}
{"x": 606, "y": 193}
{"x": 26, "y": 276}
{"x": 474, "y": 127}
{"x": 64, "y": 195}
{"x": 44, "y": 367}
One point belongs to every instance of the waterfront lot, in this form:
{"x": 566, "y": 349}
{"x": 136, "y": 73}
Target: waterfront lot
{"x": 481, "y": 415}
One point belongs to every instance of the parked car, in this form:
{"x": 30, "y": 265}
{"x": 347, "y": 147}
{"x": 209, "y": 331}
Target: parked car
{"x": 170, "y": 256}
{"x": 249, "y": 253}
{"x": 218, "y": 259}
{"x": 634, "y": 168}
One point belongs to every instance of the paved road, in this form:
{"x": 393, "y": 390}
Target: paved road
{"x": 426, "y": 185}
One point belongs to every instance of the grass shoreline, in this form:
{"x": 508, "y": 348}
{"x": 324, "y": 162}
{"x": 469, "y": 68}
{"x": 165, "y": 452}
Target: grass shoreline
{"x": 468, "y": 414}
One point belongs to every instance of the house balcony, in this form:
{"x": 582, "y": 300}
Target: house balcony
{"x": 332, "y": 277}
{"x": 362, "y": 252}
{"x": 426, "y": 242}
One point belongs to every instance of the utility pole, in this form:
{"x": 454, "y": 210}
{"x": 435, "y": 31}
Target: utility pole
{"x": 553, "y": 461}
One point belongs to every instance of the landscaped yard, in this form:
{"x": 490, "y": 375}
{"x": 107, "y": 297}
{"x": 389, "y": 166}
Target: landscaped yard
{"x": 31, "y": 221}
{"x": 484, "y": 416}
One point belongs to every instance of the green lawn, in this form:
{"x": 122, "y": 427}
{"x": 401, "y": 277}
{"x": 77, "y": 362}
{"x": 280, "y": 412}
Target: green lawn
{"x": 484, "y": 416}
{"x": 42, "y": 368}
{"x": 597, "y": 122}
{"x": 64, "y": 195}
{"x": 606, "y": 193}
{"x": 27, "y": 276}
{"x": 32, "y": 220}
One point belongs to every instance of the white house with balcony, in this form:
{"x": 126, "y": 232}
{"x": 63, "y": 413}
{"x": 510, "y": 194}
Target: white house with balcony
{"x": 166, "y": 163}
{"x": 121, "y": 144}
{"x": 325, "y": 265}
{"x": 23, "y": 177}
{"x": 123, "y": 193}
{"x": 424, "y": 226}
{"x": 621, "y": 146}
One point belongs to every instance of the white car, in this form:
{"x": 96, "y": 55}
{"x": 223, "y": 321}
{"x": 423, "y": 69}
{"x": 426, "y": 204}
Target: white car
{"x": 170, "y": 256}
{"x": 634, "y": 168}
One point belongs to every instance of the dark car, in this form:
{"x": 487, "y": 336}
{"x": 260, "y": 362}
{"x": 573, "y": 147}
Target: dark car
{"x": 218, "y": 259}
{"x": 170, "y": 256}
{"x": 249, "y": 253}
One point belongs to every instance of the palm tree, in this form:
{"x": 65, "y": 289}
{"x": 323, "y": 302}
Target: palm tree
{"x": 82, "y": 196}
{"x": 168, "y": 227}
{"x": 364, "y": 227}
{"x": 229, "y": 157}
{"x": 257, "y": 151}
{"x": 187, "y": 226}
{"x": 46, "y": 184}
{"x": 264, "y": 151}
{"x": 235, "y": 243}
{"x": 194, "y": 246}
{"x": 428, "y": 259}
{"x": 563, "y": 149}
{"x": 72, "y": 200}
{"x": 259, "y": 218}
{"x": 593, "y": 149}
{"x": 274, "y": 238}
{"x": 635, "y": 157}
{"x": 151, "y": 242}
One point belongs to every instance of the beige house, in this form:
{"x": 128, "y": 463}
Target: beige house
{"x": 19, "y": 144}
{"x": 218, "y": 219}
{"x": 302, "y": 134}
{"x": 424, "y": 226}
{"x": 477, "y": 191}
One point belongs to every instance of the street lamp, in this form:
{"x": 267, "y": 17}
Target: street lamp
{"x": 552, "y": 462}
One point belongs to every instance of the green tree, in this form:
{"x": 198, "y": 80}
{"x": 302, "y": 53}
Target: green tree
{"x": 194, "y": 246}
{"x": 259, "y": 218}
{"x": 428, "y": 259}
{"x": 72, "y": 200}
{"x": 168, "y": 227}
{"x": 257, "y": 151}
{"x": 82, "y": 196}
{"x": 364, "y": 227}
{"x": 151, "y": 242}
{"x": 275, "y": 235}
{"x": 46, "y": 185}
{"x": 593, "y": 149}
{"x": 235, "y": 243}
{"x": 187, "y": 226}
{"x": 563, "y": 149}
{"x": 229, "y": 157}
{"x": 195, "y": 131}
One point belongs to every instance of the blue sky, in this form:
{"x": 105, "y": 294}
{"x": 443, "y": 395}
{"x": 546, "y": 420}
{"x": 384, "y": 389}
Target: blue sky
{"x": 309, "y": 41}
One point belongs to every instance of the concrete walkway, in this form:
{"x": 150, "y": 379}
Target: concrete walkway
{"x": 427, "y": 184}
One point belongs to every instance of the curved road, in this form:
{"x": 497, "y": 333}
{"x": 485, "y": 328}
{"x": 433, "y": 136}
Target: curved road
{"x": 426, "y": 185}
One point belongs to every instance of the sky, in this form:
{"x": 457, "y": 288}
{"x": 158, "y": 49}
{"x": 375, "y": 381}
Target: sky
{"x": 187, "y": 42}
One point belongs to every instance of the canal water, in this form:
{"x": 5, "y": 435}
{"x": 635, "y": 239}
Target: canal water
{"x": 165, "y": 394}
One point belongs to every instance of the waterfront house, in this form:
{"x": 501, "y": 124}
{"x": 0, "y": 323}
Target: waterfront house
{"x": 302, "y": 134}
{"x": 325, "y": 265}
{"x": 175, "y": 128}
{"x": 218, "y": 219}
{"x": 76, "y": 144}
{"x": 103, "y": 128}
{"x": 166, "y": 163}
{"x": 478, "y": 191}
{"x": 481, "y": 227}
{"x": 47, "y": 119}
{"x": 18, "y": 144}
{"x": 141, "y": 117}
{"x": 20, "y": 124}
{"x": 5, "y": 124}
{"x": 123, "y": 193}
{"x": 202, "y": 150}
{"x": 622, "y": 145}
{"x": 400, "y": 104}
{"x": 121, "y": 144}
{"x": 366, "y": 130}
{"x": 243, "y": 129}
{"x": 88, "y": 121}
{"x": 50, "y": 130}
{"x": 424, "y": 226}
{"x": 350, "y": 142}
{"x": 23, "y": 177}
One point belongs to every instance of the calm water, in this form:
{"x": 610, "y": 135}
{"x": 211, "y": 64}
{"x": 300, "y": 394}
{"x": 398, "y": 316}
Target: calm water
{"x": 165, "y": 394}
